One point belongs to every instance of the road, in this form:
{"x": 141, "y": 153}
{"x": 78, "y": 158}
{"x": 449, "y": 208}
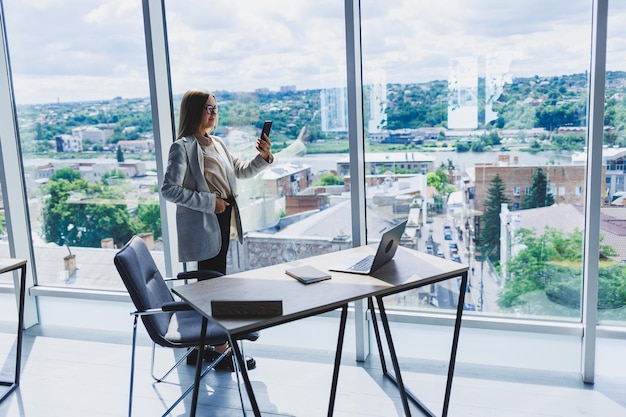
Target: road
{"x": 479, "y": 275}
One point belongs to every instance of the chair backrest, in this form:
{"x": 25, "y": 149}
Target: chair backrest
{"x": 145, "y": 285}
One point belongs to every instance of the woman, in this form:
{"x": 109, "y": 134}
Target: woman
{"x": 201, "y": 180}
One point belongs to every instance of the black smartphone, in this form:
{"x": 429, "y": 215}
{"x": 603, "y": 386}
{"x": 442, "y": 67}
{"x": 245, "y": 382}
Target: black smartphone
{"x": 267, "y": 126}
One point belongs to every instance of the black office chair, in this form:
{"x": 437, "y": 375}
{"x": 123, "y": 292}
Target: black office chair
{"x": 169, "y": 323}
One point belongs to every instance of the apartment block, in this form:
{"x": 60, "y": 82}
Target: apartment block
{"x": 566, "y": 183}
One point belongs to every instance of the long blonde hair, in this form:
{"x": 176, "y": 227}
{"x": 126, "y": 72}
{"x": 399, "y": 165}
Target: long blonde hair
{"x": 192, "y": 110}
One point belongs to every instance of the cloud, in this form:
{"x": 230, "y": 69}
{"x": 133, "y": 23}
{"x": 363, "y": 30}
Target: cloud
{"x": 79, "y": 49}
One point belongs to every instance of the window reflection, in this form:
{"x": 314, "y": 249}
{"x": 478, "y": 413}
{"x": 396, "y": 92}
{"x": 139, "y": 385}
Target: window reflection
{"x": 463, "y": 113}
{"x": 284, "y": 63}
{"x": 494, "y": 105}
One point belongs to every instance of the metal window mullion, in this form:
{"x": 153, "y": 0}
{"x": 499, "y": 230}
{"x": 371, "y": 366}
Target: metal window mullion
{"x": 593, "y": 196}
{"x": 357, "y": 158}
{"x": 161, "y": 101}
{"x": 12, "y": 179}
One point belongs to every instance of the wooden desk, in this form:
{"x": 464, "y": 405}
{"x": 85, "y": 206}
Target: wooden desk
{"x": 408, "y": 270}
{"x": 8, "y": 265}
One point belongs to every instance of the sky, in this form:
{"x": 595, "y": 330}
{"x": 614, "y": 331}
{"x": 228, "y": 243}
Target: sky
{"x": 75, "y": 50}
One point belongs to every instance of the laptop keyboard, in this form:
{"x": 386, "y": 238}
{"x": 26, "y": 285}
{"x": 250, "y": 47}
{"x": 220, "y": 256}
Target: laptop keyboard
{"x": 364, "y": 264}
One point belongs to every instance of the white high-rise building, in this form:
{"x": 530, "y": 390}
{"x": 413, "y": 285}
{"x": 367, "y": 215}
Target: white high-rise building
{"x": 463, "y": 87}
{"x": 377, "y": 98}
{"x": 334, "y": 107}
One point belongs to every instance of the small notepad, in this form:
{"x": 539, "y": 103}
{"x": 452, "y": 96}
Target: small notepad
{"x": 307, "y": 274}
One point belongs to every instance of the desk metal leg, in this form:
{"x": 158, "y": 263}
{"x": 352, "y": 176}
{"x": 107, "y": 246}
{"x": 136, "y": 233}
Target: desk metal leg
{"x": 398, "y": 379}
{"x": 333, "y": 390}
{"x": 333, "y": 386}
{"x": 20, "y": 331}
{"x": 394, "y": 358}
{"x": 381, "y": 353}
{"x": 196, "y": 381}
{"x": 241, "y": 363}
{"x": 455, "y": 343}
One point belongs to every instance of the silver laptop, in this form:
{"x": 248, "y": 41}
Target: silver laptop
{"x": 386, "y": 250}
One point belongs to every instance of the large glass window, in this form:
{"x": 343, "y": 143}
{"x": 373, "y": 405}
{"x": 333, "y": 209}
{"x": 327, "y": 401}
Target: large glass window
{"x": 612, "y": 275}
{"x": 282, "y": 61}
{"x": 475, "y": 129}
{"x": 81, "y": 89}
{"x": 490, "y": 101}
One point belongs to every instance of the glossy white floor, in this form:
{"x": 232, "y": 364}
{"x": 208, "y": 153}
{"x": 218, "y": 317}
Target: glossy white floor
{"x": 76, "y": 363}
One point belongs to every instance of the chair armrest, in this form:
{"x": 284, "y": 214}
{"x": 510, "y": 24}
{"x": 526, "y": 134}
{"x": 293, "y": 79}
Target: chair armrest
{"x": 166, "y": 308}
{"x": 200, "y": 275}
{"x": 176, "y": 306}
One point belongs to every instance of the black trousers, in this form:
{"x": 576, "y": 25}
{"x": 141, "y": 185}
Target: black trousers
{"x": 218, "y": 262}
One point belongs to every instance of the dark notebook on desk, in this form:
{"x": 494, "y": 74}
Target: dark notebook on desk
{"x": 386, "y": 250}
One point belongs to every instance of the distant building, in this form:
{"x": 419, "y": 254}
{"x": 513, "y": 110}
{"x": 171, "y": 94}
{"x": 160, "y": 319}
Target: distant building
{"x": 378, "y": 162}
{"x": 566, "y": 183}
{"x": 379, "y": 137}
{"x": 137, "y": 146}
{"x": 334, "y": 106}
{"x": 615, "y": 179}
{"x": 564, "y": 130}
{"x": 67, "y": 143}
{"x": 93, "y": 133}
{"x": 377, "y": 104}
{"x": 43, "y": 172}
{"x": 133, "y": 169}
{"x": 286, "y": 179}
{"x": 91, "y": 171}
{"x": 404, "y": 136}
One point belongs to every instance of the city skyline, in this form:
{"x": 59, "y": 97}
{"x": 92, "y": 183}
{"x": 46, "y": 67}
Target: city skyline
{"x": 91, "y": 50}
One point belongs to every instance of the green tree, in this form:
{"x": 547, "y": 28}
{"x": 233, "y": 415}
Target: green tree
{"x": 540, "y": 195}
{"x": 551, "y": 263}
{"x": 489, "y": 239}
{"x": 114, "y": 174}
{"x": 67, "y": 174}
{"x": 79, "y": 214}
{"x": 330, "y": 179}
{"x": 462, "y": 146}
{"x": 106, "y": 216}
{"x": 147, "y": 218}
{"x": 120, "y": 154}
{"x": 527, "y": 269}
{"x": 437, "y": 179}
{"x": 59, "y": 215}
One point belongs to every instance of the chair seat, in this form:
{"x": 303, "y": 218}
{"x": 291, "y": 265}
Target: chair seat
{"x": 184, "y": 326}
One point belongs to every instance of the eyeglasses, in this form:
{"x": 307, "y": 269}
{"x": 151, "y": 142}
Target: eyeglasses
{"x": 212, "y": 109}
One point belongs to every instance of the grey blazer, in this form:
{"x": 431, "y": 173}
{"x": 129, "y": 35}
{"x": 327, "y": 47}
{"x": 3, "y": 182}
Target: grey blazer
{"x": 199, "y": 236}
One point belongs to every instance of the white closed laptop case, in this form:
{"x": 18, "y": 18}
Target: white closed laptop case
{"x": 387, "y": 247}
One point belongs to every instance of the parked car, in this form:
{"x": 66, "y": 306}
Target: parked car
{"x": 456, "y": 258}
{"x": 440, "y": 254}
